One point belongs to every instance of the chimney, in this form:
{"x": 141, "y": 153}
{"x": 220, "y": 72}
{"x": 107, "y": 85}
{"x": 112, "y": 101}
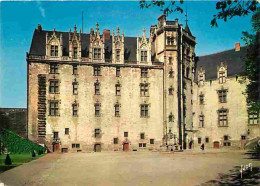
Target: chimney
{"x": 39, "y": 27}
{"x": 237, "y": 47}
{"x": 106, "y": 34}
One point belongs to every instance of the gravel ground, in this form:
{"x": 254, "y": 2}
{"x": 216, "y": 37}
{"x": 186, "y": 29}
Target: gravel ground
{"x": 127, "y": 168}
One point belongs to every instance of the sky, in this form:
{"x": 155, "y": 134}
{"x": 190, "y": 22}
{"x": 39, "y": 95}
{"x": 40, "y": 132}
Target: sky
{"x": 19, "y": 19}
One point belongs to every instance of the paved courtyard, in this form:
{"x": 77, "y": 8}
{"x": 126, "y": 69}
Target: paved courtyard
{"x": 127, "y": 168}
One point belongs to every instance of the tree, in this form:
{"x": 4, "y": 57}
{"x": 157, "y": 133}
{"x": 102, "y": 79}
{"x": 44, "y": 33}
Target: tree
{"x": 252, "y": 64}
{"x": 226, "y": 8}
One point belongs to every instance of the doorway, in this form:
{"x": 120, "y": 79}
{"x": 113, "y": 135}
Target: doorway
{"x": 216, "y": 145}
{"x": 56, "y": 147}
{"x": 126, "y": 147}
{"x": 97, "y": 148}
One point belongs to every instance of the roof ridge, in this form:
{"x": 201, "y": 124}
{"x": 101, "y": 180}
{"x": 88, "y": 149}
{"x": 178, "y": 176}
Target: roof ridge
{"x": 221, "y": 51}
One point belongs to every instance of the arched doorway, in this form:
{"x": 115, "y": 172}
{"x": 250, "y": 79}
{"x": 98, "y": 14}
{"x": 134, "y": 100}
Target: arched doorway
{"x": 97, "y": 147}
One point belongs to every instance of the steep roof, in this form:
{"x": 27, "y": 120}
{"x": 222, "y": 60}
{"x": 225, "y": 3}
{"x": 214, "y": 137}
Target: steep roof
{"x": 39, "y": 43}
{"x": 233, "y": 59}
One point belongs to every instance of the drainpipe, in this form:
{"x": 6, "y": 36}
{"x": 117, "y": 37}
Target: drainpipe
{"x": 180, "y": 91}
{"x": 164, "y": 93}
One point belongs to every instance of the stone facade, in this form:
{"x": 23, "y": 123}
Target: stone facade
{"x": 92, "y": 92}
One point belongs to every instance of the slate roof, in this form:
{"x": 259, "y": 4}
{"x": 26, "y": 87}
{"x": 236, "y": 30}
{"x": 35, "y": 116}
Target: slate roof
{"x": 233, "y": 59}
{"x": 39, "y": 42}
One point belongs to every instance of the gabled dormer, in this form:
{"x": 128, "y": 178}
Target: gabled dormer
{"x": 96, "y": 46}
{"x": 54, "y": 45}
{"x": 222, "y": 72}
{"x": 118, "y": 47}
{"x": 143, "y": 54}
{"x": 75, "y": 44}
{"x": 201, "y": 76}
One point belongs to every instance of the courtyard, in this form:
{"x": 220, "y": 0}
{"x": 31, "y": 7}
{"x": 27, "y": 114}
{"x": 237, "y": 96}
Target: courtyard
{"x": 134, "y": 168}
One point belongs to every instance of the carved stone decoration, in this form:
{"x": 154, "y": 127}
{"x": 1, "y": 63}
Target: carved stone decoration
{"x": 118, "y": 47}
{"x": 96, "y": 46}
{"x": 54, "y": 45}
{"x": 75, "y": 44}
{"x": 143, "y": 53}
{"x": 201, "y": 76}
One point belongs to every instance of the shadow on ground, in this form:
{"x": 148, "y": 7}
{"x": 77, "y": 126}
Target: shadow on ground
{"x": 249, "y": 177}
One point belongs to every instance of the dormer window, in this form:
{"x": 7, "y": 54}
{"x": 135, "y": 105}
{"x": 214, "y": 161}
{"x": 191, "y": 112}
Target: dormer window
{"x": 54, "y": 50}
{"x": 97, "y": 53}
{"x": 201, "y": 79}
{"x": 75, "y": 52}
{"x": 117, "y": 55}
{"x": 222, "y": 77}
{"x": 143, "y": 56}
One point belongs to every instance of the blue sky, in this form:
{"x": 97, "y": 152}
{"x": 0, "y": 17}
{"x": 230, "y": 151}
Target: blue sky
{"x": 19, "y": 19}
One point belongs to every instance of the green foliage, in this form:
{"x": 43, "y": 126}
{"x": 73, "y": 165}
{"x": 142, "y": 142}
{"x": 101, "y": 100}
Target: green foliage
{"x": 8, "y": 160}
{"x": 16, "y": 144}
{"x": 227, "y": 9}
{"x": 251, "y": 64}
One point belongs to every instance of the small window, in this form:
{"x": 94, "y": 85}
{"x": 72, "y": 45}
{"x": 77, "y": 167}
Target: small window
{"x": 115, "y": 140}
{"x": 54, "y": 68}
{"x": 97, "y": 53}
{"x": 125, "y": 134}
{"x": 222, "y": 96}
{"x": 201, "y": 99}
{"x": 53, "y": 108}
{"x": 97, "y": 133}
{"x": 151, "y": 141}
{"x": 227, "y": 144}
{"x": 199, "y": 140}
{"x": 75, "y": 69}
{"x": 117, "y": 71}
{"x": 97, "y": 109}
{"x": 170, "y": 60}
{"x": 201, "y": 122}
{"x": 142, "y": 136}
{"x": 222, "y": 118}
{"x": 226, "y": 137}
{"x": 142, "y": 145}
{"x": 54, "y": 50}
{"x": 144, "y": 72}
{"x": 171, "y": 118}
{"x": 144, "y": 89}
{"x": 207, "y": 140}
{"x": 243, "y": 137}
{"x": 67, "y": 131}
{"x": 54, "y": 86}
{"x": 144, "y": 110}
{"x": 97, "y": 88}
{"x": 187, "y": 72}
{"x": 117, "y": 113}
{"x": 171, "y": 91}
{"x": 55, "y": 135}
{"x": 74, "y": 109}
{"x": 97, "y": 71}
{"x": 75, "y": 88}
{"x": 118, "y": 89}
{"x": 171, "y": 74}
{"x": 143, "y": 56}
{"x": 75, "y": 145}
{"x": 253, "y": 118}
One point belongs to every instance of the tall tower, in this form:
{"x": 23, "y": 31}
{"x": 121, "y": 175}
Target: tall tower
{"x": 174, "y": 46}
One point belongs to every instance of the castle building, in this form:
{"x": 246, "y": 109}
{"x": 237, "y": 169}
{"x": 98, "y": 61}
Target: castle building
{"x": 103, "y": 91}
